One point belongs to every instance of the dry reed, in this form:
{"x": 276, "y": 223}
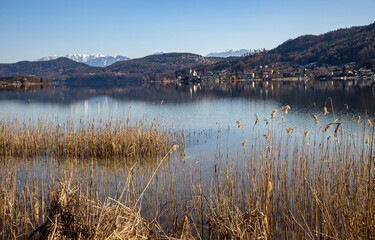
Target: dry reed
{"x": 72, "y": 216}
{"x": 286, "y": 188}
{"x": 285, "y": 109}
{"x": 89, "y": 139}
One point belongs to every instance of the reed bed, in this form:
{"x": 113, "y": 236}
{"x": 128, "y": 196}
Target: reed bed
{"x": 96, "y": 139}
{"x": 287, "y": 183}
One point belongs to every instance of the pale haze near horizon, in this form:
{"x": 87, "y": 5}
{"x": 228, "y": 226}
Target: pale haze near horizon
{"x": 33, "y": 29}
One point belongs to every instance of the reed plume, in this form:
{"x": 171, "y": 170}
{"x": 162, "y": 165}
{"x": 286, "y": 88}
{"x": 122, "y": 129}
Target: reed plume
{"x": 315, "y": 119}
{"x": 273, "y": 114}
{"x": 285, "y": 109}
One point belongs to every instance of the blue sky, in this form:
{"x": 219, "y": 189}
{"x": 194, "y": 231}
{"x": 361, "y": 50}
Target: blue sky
{"x": 30, "y": 29}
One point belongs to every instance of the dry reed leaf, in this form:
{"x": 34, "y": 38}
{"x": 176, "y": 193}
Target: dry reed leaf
{"x": 282, "y": 118}
{"x": 325, "y": 111}
{"x": 326, "y": 129}
{"x": 244, "y": 143}
{"x": 307, "y": 133}
{"x": 239, "y": 123}
{"x": 273, "y": 114}
{"x": 161, "y": 102}
{"x": 358, "y": 119}
{"x": 267, "y": 137}
{"x": 308, "y": 142}
{"x": 285, "y": 109}
{"x": 316, "y": 119}
{"x": 367, "y": 139}
{"x": 174, "y": 148}
{"x": 256, "y": 121}
{"x": 336, "y": 130}
{"x": 289, "y": 130}
{"x": 369, "y": 122}
{"x": 269, "y": 186}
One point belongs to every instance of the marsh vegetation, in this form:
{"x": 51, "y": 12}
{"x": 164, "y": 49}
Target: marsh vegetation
{"x": 100, "y": 180}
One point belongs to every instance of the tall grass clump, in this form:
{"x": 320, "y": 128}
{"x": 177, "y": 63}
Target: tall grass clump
{"x": 292, "y": 185}
{"x": 98, "y": 139}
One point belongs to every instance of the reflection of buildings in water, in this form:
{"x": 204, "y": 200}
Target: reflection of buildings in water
{"x": 193, "y": 89}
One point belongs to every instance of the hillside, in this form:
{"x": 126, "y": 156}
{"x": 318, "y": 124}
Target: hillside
{"x": 129, "y": 70}
{"x": 355, "y": 44}
{"x": 157, "y": 64}
{"x": 60, "y": 68}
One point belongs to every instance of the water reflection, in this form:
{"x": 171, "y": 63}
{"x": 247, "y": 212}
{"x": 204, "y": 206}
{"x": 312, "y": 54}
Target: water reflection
{"x": 201, "y": 110}
{"x": 359, "y": 95}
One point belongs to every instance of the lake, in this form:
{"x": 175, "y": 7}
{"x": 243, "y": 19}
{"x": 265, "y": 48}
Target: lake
{"x": 194, "y": 107}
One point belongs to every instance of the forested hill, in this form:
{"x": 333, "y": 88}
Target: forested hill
{"x": 356, "y": 44}
{"x": 159, "y": 63}
{"x": 60, "y": 68}
{"x": 135, "y": 69}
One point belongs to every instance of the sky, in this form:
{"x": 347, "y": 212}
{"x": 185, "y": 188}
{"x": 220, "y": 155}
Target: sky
{"x": 31, "y": 29}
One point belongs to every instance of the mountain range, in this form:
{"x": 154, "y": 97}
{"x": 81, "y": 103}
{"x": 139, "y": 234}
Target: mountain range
{"x": 96, "y": 60}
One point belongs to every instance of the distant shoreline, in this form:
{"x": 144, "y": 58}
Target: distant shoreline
{"x": 24, "y": 81}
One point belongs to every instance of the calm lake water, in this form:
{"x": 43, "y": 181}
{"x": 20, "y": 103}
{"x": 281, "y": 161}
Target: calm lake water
{"x": 196, "y": 108}
{"x": 206, "y": 114}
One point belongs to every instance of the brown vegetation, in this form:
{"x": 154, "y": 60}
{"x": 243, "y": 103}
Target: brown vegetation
{"x": 92, "y": 139}
{"x": 281, "y": 188}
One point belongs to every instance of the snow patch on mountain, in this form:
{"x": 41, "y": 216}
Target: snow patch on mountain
{"x": 96, "y": 60}
{"x": 48, "y": 58}
{"x": 159, "y": 53}
{"x": 230, "y": 53}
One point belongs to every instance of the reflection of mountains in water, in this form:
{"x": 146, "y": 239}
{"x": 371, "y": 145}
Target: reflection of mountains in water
{"x": 359, "y": 95}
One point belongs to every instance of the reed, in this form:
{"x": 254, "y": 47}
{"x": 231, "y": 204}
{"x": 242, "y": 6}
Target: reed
{"x": 114, "y": 139}
{"x": 279, "y": 186}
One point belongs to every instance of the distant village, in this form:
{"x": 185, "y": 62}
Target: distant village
{"x": 283, "y": 72}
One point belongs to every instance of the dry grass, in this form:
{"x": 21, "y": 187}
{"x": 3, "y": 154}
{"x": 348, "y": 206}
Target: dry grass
{"x": 89, "y": 139}
{"x": 72, "y": 216}
{"x": 289, "y": 183}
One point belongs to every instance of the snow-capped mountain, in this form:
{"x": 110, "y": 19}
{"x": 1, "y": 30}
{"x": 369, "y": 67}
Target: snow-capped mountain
{"x": 230, "y": 53}
{"x": 97, "y": 60}
{"x": 159, "y": 53}
{"x": 48, "y": 58}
